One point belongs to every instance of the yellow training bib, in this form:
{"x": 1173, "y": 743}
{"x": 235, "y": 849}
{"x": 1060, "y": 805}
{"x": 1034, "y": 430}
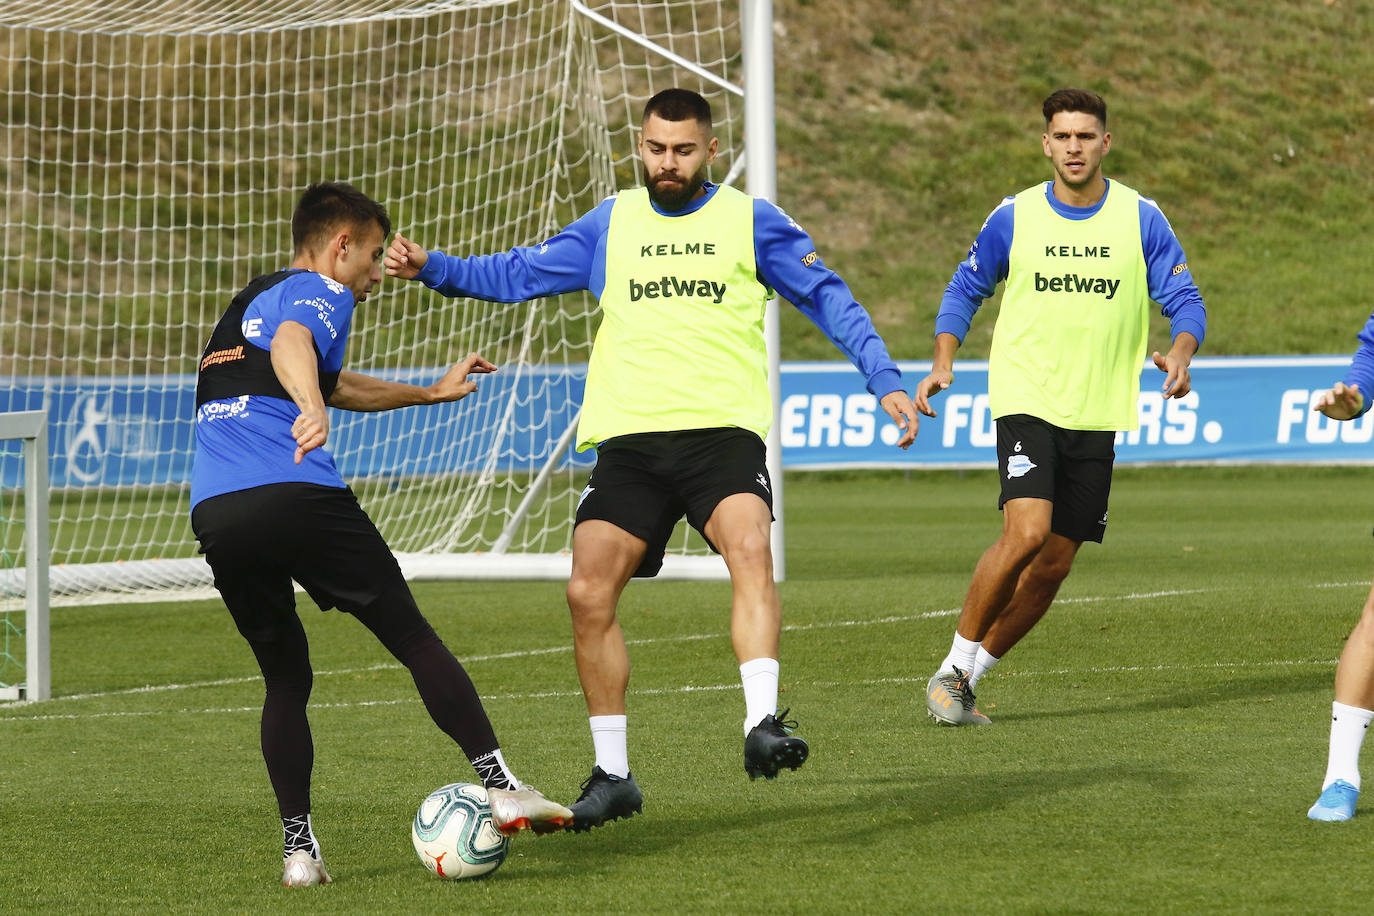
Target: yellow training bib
{"x": 681, "y": 342}
{"x": 1070, "y": 338}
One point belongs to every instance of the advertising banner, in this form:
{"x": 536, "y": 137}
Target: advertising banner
{"x": 1241, "y": 410}
{"x": 138, "y": 430}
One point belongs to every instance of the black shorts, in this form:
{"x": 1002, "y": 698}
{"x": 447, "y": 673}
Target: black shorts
{"x": 258, "y": 540}
{"x": 643, "y": 483}
{"x": 1071, "y": 468}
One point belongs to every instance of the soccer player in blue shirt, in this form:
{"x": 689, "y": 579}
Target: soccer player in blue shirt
{"x": 677, "y": 406}
{"x": 1082, "y": 258}
{"x": 1352, "y": 708}
{"x": 269, "y": 506}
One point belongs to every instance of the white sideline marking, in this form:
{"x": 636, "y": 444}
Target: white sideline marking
{"x": 689, "y": 688}
{"x": 528, "y": 653}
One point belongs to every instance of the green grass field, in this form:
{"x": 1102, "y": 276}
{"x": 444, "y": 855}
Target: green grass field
{"x": 1156, "y": 741}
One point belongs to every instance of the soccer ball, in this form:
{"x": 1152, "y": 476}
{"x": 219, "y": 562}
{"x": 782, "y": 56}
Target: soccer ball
{"x": 454, "y": 834}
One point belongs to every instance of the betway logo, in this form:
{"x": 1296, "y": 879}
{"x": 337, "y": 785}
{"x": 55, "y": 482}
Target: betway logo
{"x": 668, "y": 287}
{"x": 1073, "y": 283}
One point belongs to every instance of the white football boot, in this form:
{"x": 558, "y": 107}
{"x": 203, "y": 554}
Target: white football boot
{"x": 304, "y": 870}
{"x": 526, "y": 808}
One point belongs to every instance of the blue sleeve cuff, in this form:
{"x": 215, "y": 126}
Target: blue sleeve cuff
{"x": 1191, "y": 326}
{"x": 949, "y": 323}
{"x": 884, "y": 382}
{"x": 432, "y": 274}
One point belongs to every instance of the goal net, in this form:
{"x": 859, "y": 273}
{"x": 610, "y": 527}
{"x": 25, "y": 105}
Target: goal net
{"x": 153, "y": 152}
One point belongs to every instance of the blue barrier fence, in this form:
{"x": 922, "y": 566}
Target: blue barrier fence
{"x": 137, "y": 430}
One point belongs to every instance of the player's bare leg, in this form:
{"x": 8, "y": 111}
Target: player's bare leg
{"x": 1025, "y": 528}
{"x": 739, "y": 527}
{"x": 1355, "y": 671}
{"x": 1351, "y": 714}
{"x": 605, "y": 556}
{"x": 1035, "y": 592}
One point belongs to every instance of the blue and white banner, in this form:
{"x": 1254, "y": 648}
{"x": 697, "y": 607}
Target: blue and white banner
{"x": 138, "y": 430}
{"x": 1241, "y": 410}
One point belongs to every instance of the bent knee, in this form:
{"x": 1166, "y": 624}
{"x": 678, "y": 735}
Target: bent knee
{"x": 590, "y": 599}
{"x": 749, "y": 550}
{"x": 1024, "y": 540}
{"x": 1052, "y": 570}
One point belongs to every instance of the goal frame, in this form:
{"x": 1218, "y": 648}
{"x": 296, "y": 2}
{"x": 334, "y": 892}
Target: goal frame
{"x": 119, "y": 462}
{"x": 31, "y": 427}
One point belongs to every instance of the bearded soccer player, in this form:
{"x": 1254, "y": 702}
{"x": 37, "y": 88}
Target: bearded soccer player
{"x": 677, "y": 406}
{"x": 1082, "y": 257}
{"x": 269, "y": 506}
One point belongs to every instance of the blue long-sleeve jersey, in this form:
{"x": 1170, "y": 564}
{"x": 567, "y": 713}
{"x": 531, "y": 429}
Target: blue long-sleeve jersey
{"x": 575, "y": 259}
{"x": 1170, "y": 282}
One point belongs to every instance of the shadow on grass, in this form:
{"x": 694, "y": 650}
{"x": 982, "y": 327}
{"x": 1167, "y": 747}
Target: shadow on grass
{"x": 909, "y": 803}
{"x": 1290, "y": 682}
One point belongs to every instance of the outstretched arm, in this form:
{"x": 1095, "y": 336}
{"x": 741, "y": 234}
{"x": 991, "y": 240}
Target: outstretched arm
{"x": 571, "y": 260}
{"x": 365, "y": 393}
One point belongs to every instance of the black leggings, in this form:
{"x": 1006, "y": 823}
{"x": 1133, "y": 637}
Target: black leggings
{"x": 258, "y": 540}
{"x": 447, "y": 691}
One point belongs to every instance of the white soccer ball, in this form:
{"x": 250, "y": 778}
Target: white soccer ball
{"x": 454, "y": 834}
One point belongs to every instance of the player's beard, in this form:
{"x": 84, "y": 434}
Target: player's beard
{"x": 670, "y": 201}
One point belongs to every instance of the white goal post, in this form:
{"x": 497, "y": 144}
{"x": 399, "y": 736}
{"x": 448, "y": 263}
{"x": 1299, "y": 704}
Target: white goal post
{"x": 24, "y": 586}
{"x": 154, "y": 153}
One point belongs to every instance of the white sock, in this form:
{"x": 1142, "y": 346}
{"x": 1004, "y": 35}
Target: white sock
{"x": 611, "y": 745}
{"x": 1348, "y": 727}
{"x": 961, "y": 654}
{"x": 760, "y": 679}
{"x": 982, "y": 664}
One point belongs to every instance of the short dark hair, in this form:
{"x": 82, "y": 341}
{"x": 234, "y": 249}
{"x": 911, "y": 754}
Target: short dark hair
{"x": 329, "y": 205}
{"x": 679, "y": 105}
{"x": 1084, "y": 100}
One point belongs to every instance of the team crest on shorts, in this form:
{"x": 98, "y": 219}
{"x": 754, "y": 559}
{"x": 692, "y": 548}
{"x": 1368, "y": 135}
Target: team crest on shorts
{"x": 1019, "y": 466}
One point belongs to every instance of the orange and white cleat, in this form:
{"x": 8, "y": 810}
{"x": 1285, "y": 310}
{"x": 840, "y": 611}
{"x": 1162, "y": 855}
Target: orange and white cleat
{"x": 526, "y": 808}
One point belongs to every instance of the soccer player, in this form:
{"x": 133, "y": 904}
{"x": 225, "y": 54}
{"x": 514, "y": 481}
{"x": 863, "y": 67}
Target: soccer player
{"x": 1353, "y": 705}
{"x": 1082, "y": 257}
{"x": 677, "y": 406}
{"x": 269, "y": 506}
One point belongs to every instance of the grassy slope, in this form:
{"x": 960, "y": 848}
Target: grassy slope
{"x": 901, "y": 124}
